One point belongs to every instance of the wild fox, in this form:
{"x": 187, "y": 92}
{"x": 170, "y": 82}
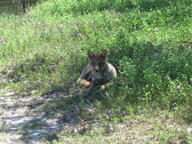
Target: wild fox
{"x": 97, "y": 71}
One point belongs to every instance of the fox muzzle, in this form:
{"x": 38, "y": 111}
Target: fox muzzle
{"x": 97, "y": 68}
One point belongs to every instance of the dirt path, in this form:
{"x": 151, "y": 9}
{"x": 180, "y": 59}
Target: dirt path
{"x": 18, "y": 125}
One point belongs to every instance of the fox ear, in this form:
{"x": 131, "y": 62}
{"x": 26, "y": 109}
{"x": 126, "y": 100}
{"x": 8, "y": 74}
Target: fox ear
{"x": 104, "y": 53}
{"x": 90, "y": 53}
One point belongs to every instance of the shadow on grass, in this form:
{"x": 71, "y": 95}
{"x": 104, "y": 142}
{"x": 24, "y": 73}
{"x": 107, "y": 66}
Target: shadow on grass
{"x": 64, "y": 104}
{"x": 41, "y": 118}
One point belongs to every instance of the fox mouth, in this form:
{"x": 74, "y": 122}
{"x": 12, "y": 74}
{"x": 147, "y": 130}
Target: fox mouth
{"x": 96, "y": 70}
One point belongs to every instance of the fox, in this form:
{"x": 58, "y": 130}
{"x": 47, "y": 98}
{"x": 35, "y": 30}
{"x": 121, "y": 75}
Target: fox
{"x": 98, "y": 71}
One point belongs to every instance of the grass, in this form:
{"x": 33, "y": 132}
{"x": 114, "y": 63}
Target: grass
{"x": 145, "y": 128}
{"x": 45, "y": 49}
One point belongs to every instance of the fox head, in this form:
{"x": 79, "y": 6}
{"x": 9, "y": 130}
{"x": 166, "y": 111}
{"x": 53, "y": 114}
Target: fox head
{"x": 98, "y": 61}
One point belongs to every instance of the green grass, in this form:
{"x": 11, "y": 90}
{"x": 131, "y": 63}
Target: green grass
{"x": 149, "y": 42}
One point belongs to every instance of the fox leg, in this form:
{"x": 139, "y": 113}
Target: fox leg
{"x": 84, "y": 82}
{"x": 105, "y": 81}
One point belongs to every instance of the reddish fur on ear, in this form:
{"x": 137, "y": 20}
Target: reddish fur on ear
{"x": 90, "y": 53}
{"x": 104, "y": 53}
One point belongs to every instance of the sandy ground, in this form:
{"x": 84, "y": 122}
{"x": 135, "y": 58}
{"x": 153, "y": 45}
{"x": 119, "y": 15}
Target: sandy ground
{"x": 18, "y": 125}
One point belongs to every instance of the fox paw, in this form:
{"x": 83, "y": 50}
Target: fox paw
{"x": 102, "y": 87}
{"x": 87, "y": 84}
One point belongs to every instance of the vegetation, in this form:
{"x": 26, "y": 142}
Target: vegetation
{"x": 149, "y": 42}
